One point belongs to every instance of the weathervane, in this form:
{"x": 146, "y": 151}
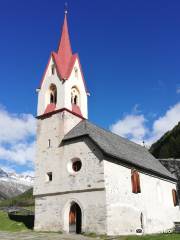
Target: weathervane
{"x": 65, "y": 7}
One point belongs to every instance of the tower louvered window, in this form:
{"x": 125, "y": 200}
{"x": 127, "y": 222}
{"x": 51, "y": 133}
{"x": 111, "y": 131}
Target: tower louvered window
{"x": 135, "y": 181}
{"x": 53, "y": 94}
{"x": 175, "y": 197}
{"x": 75, "y": 96}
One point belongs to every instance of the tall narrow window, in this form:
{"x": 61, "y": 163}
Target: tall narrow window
{"x": 135, "y": 181}
{"x": 53, "y": 69}
{"x": 76, "y": 72}
{"x": 51, "y": 98}
{"x": 49, "y": 143}
{"x": 49, "y": 176}
{"x": 175, "y": 197}
{"x": 75, "y": 96}
{"x": 75, "y": 100}
{"x": 142, "y": 220}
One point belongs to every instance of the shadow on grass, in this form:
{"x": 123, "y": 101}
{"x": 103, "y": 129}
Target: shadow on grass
{"x": 28, "y": 220}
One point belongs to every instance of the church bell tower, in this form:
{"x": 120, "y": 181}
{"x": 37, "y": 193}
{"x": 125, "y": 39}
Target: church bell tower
{"x": 62, "y": 104}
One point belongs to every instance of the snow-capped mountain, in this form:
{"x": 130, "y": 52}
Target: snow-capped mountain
{"x": 13, "y": 184}
{"x": 3, "y": 174}
{"x": 21, "y": 178}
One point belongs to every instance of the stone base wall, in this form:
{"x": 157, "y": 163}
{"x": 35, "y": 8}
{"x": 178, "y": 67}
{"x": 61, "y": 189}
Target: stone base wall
{"x": 52, "y": 212}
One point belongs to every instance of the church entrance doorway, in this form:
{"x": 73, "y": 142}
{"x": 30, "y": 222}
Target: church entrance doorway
{"x": 75, "y": 218}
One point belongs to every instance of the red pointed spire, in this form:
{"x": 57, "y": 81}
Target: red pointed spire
{"x": 64, "y": 58}
{"x": 64, "y": 50}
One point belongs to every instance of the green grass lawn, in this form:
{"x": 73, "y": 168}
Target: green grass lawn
{"x": 152, "y": 237}
{"x": 147, "y": 237}
{"x": 7, "y": 224}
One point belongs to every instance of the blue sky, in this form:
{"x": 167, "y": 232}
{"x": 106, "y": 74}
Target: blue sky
{"x": 130, "y": 54}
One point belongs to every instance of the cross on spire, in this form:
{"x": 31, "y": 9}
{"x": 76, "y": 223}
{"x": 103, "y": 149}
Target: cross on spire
{"x": 66, "y": 8}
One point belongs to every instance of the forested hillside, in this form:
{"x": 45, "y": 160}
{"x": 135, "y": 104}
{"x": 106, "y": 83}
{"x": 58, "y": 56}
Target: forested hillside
{"x": 168, "y": 146}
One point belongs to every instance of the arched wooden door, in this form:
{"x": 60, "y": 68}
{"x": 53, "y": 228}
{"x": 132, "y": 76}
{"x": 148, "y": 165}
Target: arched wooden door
{"x": 75, "y": 218}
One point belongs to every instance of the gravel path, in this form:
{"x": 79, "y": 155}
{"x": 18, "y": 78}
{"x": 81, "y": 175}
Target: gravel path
{"x": 40, "y": 236}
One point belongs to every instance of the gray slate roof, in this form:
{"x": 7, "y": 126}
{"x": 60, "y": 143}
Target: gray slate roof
{"x": 119, "y": 148}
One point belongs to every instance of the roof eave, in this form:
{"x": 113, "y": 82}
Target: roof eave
{"x": 125, "y": 161}
{"x": 45, "y": 115}
{"x": 147, "y": 170}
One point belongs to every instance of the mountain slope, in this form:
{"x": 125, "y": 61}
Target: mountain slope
{"x": 168, "y": 146}
{"x": 23, "y": 200}
{"x": 12, "y": 184}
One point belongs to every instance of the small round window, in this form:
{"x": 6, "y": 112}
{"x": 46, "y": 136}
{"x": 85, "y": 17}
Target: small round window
{"x": 76, "y": 165}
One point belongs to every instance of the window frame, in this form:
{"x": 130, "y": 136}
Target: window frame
{"x": 53, "y": 94}
{"x": 175, "y": 197}
{"x": 53, "y": 70}
{"x": 135, "y": 181}
{"x": 49, "y": 177}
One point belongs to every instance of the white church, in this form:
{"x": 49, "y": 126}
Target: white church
{"x": 88, "y": 179}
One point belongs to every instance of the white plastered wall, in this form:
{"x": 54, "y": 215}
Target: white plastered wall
{"x": 124, "y": 208}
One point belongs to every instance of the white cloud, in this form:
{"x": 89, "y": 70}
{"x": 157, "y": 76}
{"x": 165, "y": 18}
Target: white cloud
{"x": 165, "y": 123}
{"x": 133, "y": 126}
{"x": 136, "y": 109}
{"x": 178, "y": 90}
{"x": 20, "y": 153}
{"x": 15, "y": 127}
{"x": 17, "y": 134}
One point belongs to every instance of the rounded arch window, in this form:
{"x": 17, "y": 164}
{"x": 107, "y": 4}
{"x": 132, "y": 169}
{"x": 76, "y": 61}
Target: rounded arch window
{"x": 74, "y": 165}
{"x": 159, "y": 192}
{"x": 75, "y": 96}
{"x": 53, "y": 93}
